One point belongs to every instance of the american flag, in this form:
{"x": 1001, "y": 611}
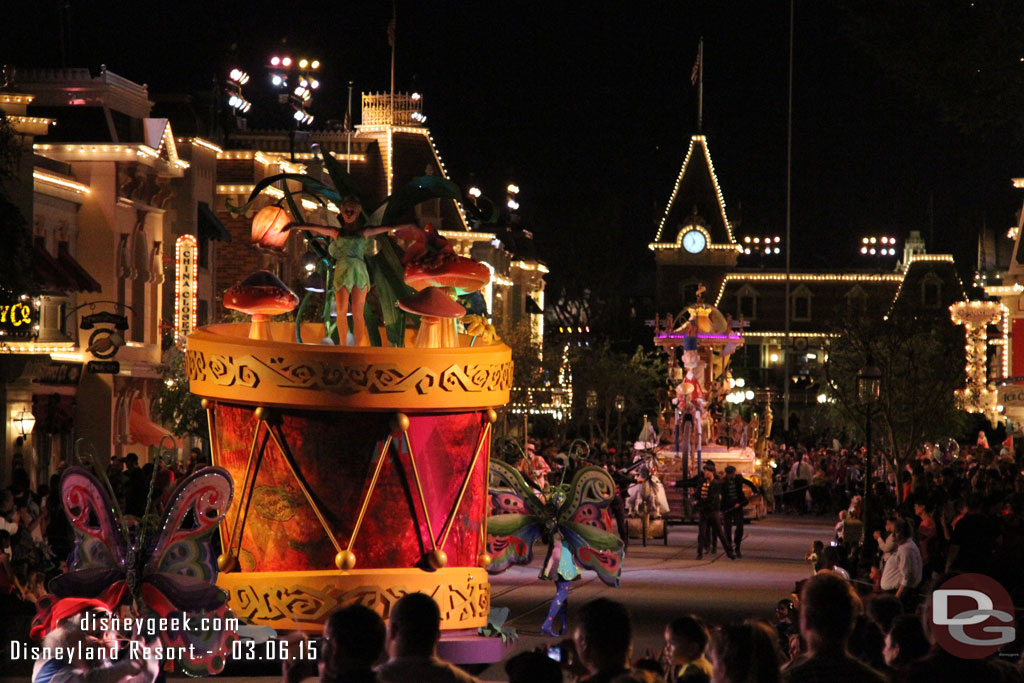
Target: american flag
{"x": 696, "y": 69}
{"x": 391, "y": 32}
{"x": 348, "y": 120}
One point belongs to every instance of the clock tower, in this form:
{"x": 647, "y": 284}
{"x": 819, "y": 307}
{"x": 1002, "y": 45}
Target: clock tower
{"x": 694, "y": 244}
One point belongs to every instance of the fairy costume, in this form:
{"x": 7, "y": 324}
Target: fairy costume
{"x": 349, "y": 263}
{"x": 571, "y": 519}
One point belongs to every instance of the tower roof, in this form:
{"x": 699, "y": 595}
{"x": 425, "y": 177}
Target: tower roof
{"x": 696, "y": 193}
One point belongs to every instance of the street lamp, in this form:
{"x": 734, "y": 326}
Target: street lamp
{"x": 620, "y": 405}
{"x": 869, "y": 386}
{"x": 591, "y": 407}
{"x": 26, "y": 422}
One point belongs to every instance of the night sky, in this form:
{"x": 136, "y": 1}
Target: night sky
{"x": 589, "y": 107}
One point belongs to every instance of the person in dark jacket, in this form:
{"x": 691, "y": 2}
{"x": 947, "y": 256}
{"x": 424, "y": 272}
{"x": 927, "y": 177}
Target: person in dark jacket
{"x": 709, "y": 509}
{"x": 733, "y": 502}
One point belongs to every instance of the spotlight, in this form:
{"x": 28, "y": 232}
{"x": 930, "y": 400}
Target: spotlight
{"x": 474, "y": 192}
{"x": 286, "y": 61}
{"x": 275, "y": 61}
{"x": 315, "y": 64}
{"x": 303, "y": 63}
{"x": 277, "y": 80}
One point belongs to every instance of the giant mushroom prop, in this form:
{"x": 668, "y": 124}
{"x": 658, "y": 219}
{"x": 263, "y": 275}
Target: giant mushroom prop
{"x": 270, "y": 228}
{"x": 261, "y": 295}
{"x": 432, "y": 305}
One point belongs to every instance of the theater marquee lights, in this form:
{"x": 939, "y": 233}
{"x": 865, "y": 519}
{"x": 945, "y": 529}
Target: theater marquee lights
{"x": 186, "y": 253}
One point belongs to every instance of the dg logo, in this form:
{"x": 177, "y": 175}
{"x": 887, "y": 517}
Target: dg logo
{"x": 972, "y": 616}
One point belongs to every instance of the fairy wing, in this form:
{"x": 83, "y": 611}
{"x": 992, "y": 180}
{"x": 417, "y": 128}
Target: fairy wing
{"x": 180, "y": 572}
{"x": 515, "y": 520}
{"x": 587, "y": 526}
{"x": 99, "y": 542}
{"x": 194, "y": 510}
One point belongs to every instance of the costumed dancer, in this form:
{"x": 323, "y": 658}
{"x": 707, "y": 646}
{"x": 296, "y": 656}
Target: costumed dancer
{"x": 733, "y": 502}
{"x": 75, "y": 626}
{"x": 573, "y": 520}
{"x": 348, "y": 246}
{"x": 709, "y": 509}
{"x": 560, "y": 568}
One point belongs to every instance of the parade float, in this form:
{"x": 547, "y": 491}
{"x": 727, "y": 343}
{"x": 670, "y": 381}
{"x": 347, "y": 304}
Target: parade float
{"x": 361, "y": 470}
{"x": 699, "y": 343}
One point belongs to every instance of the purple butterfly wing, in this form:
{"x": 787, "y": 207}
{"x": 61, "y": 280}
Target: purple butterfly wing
{"x": 194, "y": 509}
{"x": 99, "y": 541}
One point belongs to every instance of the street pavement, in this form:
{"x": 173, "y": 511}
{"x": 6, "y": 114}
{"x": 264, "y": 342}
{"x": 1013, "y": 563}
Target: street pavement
{"x": 662, "y": 582}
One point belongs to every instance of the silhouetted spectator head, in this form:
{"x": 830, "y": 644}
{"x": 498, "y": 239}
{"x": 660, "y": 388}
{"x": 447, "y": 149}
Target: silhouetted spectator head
{"x": 686, "y": 638}
{"x": 905, "y": 642}
{"x": 866, "y": 642}
{"x": 828, "y": 608}
{"x": 533, "y": 667}
{"x": 604, "y": 635}
{"x": 901, "y": 529}
{"x": 883, "y": 610}
{"x": 745, "y": 652}
{"x": 353, "y": 640}
{"x": 414, "y": 627}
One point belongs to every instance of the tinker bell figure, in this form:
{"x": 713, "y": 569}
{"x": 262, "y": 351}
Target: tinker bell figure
{"x": 348, "y": 247}
{"x": 571, "y": 519}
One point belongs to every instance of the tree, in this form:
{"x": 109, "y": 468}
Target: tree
{"x": 921, "y": 359}
{"x": 610, "y": 373}
{"x": 175, "y": 406}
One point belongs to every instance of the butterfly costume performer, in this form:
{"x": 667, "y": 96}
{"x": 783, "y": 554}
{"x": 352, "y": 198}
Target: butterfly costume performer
{"x": 571, "y": 519}
{"x": 164, "y": 573}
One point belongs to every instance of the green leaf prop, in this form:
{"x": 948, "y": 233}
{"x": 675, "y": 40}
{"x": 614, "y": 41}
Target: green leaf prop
{"x": 418, "y": 190}
{"x": 343, "y": 182}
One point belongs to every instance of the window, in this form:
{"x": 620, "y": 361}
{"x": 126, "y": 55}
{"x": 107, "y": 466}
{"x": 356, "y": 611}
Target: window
{"x": 801, "y": 303}
{"x": 856, "y": 302}
{"x": 931, "y": 291}
{"x": 746, "y": 303}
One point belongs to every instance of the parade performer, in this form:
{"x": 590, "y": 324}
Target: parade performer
{"x": 153, "y": 571}
{"x": 75, "y": 625}
{"x": 348, "y": 246}
{"x": 573, "y": 521}
{"x": 646, "y": 475}
{"x": 709, "y": 508}
{"x": 733, "y": 502}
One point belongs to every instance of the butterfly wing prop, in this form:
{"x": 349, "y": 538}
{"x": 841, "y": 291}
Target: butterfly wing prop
{"x": 587, "y": 526}
{"x": 97, "y": 560}
{"x": 515, "y": 520}
{"x": 180, "y": 571}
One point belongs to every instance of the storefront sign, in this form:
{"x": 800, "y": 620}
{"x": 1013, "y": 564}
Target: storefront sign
{"x": 186, "y": 252}
{"x": 103, "y": 367}
{"x": 119, "y": 322}
{"x": 19, "y": 317}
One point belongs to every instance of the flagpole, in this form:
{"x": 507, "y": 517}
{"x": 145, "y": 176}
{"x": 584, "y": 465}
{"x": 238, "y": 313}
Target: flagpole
{"x": 700, "y": 87}
{"x": 786, "y": 352}
{"x": 348, "y": 131}
{"x": 392, "y": 37}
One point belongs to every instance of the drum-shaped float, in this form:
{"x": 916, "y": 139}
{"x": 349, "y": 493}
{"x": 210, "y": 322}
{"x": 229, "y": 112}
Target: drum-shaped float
{"x": 360, "y": 472}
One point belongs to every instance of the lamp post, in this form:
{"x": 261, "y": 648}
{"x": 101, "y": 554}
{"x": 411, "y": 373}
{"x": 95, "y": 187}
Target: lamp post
{"x": 869, "y": 385}
{"x": 620, "y": 405}
{"x": 591, "y": 407}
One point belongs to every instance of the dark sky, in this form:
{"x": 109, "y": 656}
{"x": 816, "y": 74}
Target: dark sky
{"x": 589, "y": 107}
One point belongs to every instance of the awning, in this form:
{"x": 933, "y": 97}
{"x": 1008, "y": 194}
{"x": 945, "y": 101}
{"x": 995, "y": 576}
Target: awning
{"x": 47, "y": 270}
{"x": 210, "y": 226}
{"x": 83, "y": 280}
{"x": 142, "y": 430}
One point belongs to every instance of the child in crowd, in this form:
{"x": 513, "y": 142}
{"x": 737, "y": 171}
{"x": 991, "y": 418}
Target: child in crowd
{"x": 686, "y": 640}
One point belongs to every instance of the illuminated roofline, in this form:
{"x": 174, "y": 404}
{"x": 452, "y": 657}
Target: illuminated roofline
{"x": 714, "y": 179}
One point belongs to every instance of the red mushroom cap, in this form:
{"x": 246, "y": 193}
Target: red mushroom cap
{"x": 463, "y": 274}
{"x": 261, "y": 293}
{"x": 432, "y": 302}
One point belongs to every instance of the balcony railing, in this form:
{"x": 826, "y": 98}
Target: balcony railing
{"x": 380, "y": 109}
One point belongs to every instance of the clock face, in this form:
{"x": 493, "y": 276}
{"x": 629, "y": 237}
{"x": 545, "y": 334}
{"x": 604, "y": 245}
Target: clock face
{"x": 694, "y": 241}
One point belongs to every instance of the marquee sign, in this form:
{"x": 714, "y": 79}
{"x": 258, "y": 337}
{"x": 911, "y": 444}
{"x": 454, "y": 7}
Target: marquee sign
{"x": 19, "y": 317}
{"x": 186, "y": 254}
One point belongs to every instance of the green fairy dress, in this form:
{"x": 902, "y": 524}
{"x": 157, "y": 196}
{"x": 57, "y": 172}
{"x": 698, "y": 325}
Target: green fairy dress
{"x": 350, "y": 266}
